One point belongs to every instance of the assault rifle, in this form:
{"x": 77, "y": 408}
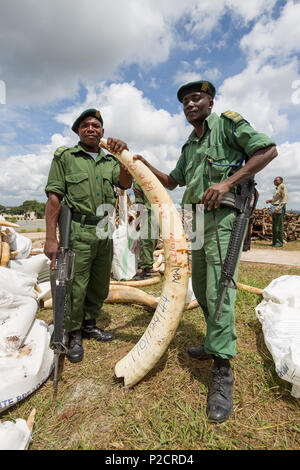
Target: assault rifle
{"x": 59, "y": 281}
{"x": 244, "y": 201}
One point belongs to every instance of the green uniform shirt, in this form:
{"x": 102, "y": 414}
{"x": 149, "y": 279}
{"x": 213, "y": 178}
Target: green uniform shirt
{"x": 280, "y": 197}
{"x": 224, "y": 140}
{"x": 85, "y": 183}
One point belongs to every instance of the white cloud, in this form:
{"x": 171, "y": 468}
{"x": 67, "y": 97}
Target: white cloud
{"x": 286, "y": 165}
{"x": 262, "y": 95}
{"x": 127, "y": 114}
{"x": 274, "y": 39}
{"x": 52, "y": 46}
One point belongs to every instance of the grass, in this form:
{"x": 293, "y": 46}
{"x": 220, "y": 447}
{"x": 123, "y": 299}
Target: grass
{"x": 266, "y": 244}
{"x": 166, "y": 410}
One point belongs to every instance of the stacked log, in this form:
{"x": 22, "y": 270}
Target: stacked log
{"x": 262, "y": 225}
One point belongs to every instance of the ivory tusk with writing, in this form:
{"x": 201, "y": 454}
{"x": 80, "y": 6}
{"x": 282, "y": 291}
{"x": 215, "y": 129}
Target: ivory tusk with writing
{"x": 162, "y": 327}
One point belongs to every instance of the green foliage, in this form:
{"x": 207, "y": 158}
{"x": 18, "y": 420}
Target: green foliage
{"x": 28, "y": 206}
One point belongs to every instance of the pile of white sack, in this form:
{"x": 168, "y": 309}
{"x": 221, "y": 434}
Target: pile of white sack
{"x": 26, "y": 359}
{"x": 279, "y": 314}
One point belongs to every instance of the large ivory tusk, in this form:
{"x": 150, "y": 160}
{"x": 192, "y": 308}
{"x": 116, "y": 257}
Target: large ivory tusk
{"x": 126, "y": 294}
{"x": 5, "y": 254}
{"x": 4, "y": 223}
{"x": 253, "y": 290}
{"x": 161, "y": 329}
{"x": 158, "y": 262}
{"x": 142, "y": 282}
{"x": 30, "y": 420}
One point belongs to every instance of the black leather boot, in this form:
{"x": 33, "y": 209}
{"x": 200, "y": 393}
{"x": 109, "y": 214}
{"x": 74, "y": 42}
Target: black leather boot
{"x": 144, "y": 274}
{"x": 90, "y": 330}
{"x": 75, "y": 350}
{"x": 219, "y": 404}
{"x": 198, "y": 352}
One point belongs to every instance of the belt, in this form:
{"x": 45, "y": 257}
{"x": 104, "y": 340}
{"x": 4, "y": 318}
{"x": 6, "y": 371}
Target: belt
{"x": 86, "y": 219}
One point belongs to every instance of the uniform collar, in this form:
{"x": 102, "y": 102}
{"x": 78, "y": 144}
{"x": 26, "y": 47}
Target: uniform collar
{"x": 209, "y": 123}
{"x": 78, "y": 148}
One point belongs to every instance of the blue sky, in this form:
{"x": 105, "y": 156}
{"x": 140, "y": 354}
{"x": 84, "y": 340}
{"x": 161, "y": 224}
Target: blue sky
{"x": 128, "y": 58}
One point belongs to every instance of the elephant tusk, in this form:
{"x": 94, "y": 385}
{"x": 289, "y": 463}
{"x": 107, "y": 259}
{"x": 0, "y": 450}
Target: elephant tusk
{"x": 126, "y": 294}
{"x": 4, "y": 223}
{"x": 30, "y": 419}
{"x": 254, "y": 290}
{"x": 142, "y": 282}
{"x": 162, "y": 327}
{"x": 5, "y": 253}
{"x": 158, "y": 262}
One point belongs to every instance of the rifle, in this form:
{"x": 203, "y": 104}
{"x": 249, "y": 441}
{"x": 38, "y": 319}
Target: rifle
{"x": 59, "y": 280}
{"x": 241, "y": 201}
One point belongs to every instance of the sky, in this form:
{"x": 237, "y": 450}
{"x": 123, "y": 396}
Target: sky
{"x": 128, "y": 58}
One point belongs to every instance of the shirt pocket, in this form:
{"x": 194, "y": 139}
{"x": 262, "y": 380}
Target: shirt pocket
{"x": 218, "y": 161}
{"x": 78, "y": 186}
{"x": 109, "y": 194}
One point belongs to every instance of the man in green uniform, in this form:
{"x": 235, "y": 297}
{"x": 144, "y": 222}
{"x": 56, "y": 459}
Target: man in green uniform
{"x": 147, "y": 227}
{"x": 278, "y": 202}
{"x": 84, "y": 176}
{"x": 210, "y": 166}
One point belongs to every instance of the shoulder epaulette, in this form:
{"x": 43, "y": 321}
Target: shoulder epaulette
{"x": 233, "y": 116}
{"x": 60, "y": 150}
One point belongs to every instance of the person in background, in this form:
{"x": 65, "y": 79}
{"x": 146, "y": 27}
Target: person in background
{"x": 146, "y": 243}
{"x": 278, "y": 201}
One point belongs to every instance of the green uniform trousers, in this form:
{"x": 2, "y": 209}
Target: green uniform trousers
{"x": 90, "y": 285}
{"x": 278, "y": 228}
{"x": 146, "y": 243}
{"x": 206, "y": 274}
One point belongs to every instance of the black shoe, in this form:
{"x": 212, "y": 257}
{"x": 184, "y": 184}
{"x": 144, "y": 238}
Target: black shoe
{"x": 75, "y": 350}
{"x": 198, "y": 352}
{"x": 90, "y": 330}
{"x": 145, "y": 274}
{"x": 220, "y": 403}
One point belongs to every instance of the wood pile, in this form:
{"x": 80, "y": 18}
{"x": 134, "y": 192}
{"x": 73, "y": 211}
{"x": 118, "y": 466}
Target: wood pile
{"x": 262, "y": 225}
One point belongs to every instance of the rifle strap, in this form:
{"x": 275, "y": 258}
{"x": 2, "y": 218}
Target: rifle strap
{"x": 214, "y": 210}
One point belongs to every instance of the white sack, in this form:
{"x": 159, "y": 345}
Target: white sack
{"x": 45, "y": 288}
{"x": 17, "y": 283}
{"x": 190, "y": 296}
{"x": 279, "y": 314}
{"x": 14, "y": 436}
{"x": 124, "y": 263}
{"x": 25, "y": 370}
{"x": 17, "y": 314}
{"x": 23, "y": 245}
{"x": 31, "y": 266}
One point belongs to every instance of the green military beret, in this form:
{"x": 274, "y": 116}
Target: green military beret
{"x": 201, "y": 85}
{"x": 88, "y": 112}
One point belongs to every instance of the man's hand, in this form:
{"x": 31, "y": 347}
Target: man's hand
{"x": 213, "y": 195}
{"x": 139, "y": 157}
{"x": 116, "y": 145}
{"x": 51, "y": 251}
{"x": 268, "y": 200}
